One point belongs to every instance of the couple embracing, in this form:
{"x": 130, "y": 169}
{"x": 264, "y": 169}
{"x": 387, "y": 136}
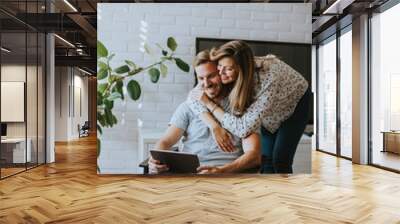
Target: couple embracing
{"x": 246, "y": 112}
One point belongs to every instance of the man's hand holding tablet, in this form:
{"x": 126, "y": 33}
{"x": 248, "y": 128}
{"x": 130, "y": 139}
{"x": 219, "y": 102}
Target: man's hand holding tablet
{"x": 175, "y": 162}
{"x": 155, "y": 166}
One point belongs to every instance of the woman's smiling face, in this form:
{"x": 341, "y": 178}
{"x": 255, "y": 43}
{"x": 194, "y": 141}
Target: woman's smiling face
{"x": 227, "y": 69}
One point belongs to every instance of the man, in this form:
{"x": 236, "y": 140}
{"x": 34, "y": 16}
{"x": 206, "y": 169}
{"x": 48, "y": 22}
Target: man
{"x": 198, "y": 138}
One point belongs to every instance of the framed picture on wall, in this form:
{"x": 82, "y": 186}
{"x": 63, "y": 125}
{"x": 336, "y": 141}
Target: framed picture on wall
{"x": 12, "y": 101}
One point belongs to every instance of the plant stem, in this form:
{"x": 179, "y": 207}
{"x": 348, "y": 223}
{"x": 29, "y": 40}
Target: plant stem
{"x": 128, "y": 75}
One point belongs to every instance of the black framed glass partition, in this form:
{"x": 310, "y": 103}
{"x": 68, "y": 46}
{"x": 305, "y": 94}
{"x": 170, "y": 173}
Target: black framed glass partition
{"x": 384, "y": 112}
{"x": 383, "y": 88}
{"x": 22, "y": 78}
{"x": 334, "y": 94}
{"x": 13, "y": 86}
{"x": 326, "y": 95}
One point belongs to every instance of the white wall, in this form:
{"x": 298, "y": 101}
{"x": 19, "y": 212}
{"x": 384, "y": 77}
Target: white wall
{"x": 81, "y": 81}
{"x": 16, "y": 72}
{"x": 33, "y": 126}
{"x": 61, "y": 103}
{"x": 66, "y": 121}
{"x": 119, "y": 28}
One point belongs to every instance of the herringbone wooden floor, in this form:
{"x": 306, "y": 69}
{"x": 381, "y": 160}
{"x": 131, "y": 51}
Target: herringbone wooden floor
{"x": 70, "y": 191}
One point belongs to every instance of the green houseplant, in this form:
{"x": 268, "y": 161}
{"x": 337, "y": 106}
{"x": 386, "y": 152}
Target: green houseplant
{"x": 110, "y": 86}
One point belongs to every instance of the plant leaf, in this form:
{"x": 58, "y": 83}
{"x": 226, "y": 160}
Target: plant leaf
{"x": 112, "y": 78}
{"x": 102, "y": 74}
{"x": 101, "y": 119}
{"x": 163, "y": 70}
{"x": 99, "y": 129}
{"x": 114, "y": 119}
{"x": 102, "y": 65}
{"x": 134, "y": 90}
{"x": 99, "y": 98}
{"x": 101, "y": 50}
{"x": 108, "y": 117}
{"x": 98, "y": 144}
{"x": 182, "y": 65}
{"x": 109, "y": 104}
{"x": 154, "y": 74}
{"x": 122, "y": 69}
{"x": 102, "y": 87}
{"x": 171, "y": 43}
{"x": 118, "y": 88}
{"x": 113, "y": 96}
{"x": 131, "y": 63}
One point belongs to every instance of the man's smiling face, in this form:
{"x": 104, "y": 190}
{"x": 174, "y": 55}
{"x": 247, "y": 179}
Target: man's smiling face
{"x": 208, "y": 77}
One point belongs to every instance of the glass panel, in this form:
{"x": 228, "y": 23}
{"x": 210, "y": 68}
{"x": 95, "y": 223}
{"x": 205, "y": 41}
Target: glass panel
{"x": 327, "y": 96}
{"x": 41, "y": 98}
{"x": 23, "y": 82}
{"x": 31, "y": 87}
{"x": 13, "y": 79}
{"x": 346, "y": 94}
{"x": 385, "y": 87}
{"x": 31, "y": 98}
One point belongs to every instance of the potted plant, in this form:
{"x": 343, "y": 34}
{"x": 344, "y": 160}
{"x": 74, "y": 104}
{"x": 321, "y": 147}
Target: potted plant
{"x": 110, "y": 86}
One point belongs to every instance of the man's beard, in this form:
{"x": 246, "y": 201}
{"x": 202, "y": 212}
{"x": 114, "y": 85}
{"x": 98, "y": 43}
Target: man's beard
{"x": 216, "y": 92}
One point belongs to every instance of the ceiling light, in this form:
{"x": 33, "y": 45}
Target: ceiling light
{"x": 328, "y": 10}
{"x": 70, "y": 5}
{"x": 65, "y": 41}
{"x": 80, "y": 51}
{"x": 84, "y": 71}
{"x": 5, "y": 50}
{"x": 337, "y": 7}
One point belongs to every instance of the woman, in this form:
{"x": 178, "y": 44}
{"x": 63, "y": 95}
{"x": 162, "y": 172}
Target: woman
{"x": 266, "y": 93}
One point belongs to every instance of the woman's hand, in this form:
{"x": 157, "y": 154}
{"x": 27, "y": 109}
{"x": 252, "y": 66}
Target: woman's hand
{"x": 198, "y": 94}
{"x": 223, "y": 138}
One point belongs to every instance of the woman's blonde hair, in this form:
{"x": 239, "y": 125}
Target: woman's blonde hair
{"x": 242, "y": 92}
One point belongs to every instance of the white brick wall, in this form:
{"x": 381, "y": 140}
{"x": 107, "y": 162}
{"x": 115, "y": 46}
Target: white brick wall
{"x": 119, "y": 29}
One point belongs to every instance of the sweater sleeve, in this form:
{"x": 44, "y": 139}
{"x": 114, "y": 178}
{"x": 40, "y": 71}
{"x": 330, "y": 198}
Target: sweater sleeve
{"x": 196, "y": 107}
{"x": 262, "y": 107}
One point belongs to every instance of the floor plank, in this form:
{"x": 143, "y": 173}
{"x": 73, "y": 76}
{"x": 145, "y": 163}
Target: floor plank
{"x": 70, "y": 191}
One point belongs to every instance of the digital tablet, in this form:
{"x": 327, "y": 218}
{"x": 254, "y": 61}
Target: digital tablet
{"x": 178, "y": 162}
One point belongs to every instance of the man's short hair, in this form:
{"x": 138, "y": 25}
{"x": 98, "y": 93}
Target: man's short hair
{"x": 202, "y": 57}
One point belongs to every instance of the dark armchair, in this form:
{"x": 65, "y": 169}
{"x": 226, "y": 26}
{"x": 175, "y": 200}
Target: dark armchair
{"x": 84, "y": 130}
